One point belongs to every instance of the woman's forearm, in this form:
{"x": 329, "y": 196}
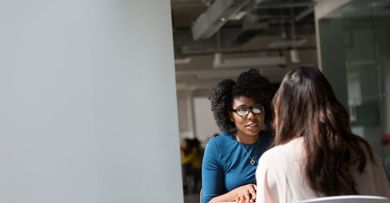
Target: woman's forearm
{"x": 227, "y": 197}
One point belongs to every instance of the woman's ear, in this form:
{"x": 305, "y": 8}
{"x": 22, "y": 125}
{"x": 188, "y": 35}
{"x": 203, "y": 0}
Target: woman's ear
{"x": 231, "y": 117}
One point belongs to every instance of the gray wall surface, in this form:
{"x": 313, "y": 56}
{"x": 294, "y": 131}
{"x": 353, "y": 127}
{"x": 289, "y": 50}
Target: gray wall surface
{"x": 88, "y": 103}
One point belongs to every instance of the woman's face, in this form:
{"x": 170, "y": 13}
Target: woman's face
{"x": 252, "y": 123}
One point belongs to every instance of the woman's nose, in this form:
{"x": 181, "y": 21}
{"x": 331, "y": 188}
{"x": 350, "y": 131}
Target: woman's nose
{"x": 250, "y": 115}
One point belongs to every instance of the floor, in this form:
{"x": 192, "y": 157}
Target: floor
{"x": 191, "y": 198}
{"x": 192, "y": 190}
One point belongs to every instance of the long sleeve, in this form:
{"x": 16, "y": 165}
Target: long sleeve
{"x": 212, "y": 174}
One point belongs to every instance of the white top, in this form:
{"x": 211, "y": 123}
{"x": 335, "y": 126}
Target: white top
{"x": 279, "y": 176}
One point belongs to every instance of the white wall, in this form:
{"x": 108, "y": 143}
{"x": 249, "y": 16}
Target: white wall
{"x": 185, "y": 113}
{"x": 88, "y": 106}
{"x": 205, "y": 124}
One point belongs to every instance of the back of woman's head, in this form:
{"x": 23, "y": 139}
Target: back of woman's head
{"x": 305, "y": 106}
{"x": 305, "y": 98}
{"x": 249, "y": 84}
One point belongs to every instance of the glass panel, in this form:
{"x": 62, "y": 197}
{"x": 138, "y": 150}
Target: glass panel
{"x": 355, "y": 56}
{"x": 381, "y": 26}
{"x": 361, "y": 71}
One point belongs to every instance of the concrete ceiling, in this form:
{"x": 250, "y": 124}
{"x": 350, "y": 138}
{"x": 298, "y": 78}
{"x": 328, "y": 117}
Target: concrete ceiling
{"x": 262, "y": 29}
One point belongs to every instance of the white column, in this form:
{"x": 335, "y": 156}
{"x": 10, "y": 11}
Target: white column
{"x": 88, "y": 104}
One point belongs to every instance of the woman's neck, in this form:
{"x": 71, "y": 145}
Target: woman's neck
{"x": 245, "y": 139}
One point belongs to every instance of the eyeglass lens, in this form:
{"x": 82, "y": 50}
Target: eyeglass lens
{"x": 244, "y": 110}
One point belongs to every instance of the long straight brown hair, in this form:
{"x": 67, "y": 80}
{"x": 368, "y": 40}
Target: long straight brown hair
{"x": 305, "y": 106}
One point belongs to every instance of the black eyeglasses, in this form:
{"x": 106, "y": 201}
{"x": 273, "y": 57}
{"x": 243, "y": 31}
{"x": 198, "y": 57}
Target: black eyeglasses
{"x": 244, "y": 110}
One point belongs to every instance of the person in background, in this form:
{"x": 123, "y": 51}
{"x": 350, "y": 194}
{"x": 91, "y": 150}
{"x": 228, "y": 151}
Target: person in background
{"x": 242, "y": 110}
{"x": 315, "y": 154}
{"x": 191, "y": 160}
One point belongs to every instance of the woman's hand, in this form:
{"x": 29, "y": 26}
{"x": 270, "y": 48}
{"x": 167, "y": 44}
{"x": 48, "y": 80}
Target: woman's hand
{"x": 246, "y": 193}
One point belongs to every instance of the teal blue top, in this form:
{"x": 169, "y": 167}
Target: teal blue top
{"x": 226, "y": 165}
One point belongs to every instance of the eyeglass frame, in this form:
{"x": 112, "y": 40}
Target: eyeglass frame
{"x": 250, "y": 109}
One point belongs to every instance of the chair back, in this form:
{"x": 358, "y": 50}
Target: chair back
{"x": 348, "y": 199}
{"x": 200, "y": 195}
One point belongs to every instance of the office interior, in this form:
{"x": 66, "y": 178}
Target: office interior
{"x": 96, "y": 94}
{"x": 348, "y": 40}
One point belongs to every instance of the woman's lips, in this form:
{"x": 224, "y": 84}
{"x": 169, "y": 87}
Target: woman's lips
{"x": 251, "y": 125}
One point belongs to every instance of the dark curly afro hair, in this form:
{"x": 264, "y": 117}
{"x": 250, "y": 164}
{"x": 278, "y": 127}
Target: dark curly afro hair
{"x": 249, "y": 84}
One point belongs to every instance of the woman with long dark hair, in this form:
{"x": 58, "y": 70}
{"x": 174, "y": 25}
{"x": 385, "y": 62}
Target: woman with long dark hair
{"x": 315, "y": 154}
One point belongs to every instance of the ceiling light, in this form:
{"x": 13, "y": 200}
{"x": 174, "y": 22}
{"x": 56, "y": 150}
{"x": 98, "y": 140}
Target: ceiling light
{"x": 287, "y": 43}
{"x": 294, "y": 56}
{"x": 238, "y": 16}
{"x": 185, "y": 60}
{"x": 244, "y": 62}
{"x": 217, "y": 59}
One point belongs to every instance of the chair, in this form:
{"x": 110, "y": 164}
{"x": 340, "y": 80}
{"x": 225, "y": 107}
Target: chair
{"x": 200, "y": 195}
{"x": 348, "y": 199}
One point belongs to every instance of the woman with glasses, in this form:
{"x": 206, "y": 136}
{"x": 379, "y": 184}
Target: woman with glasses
{"x": 316, "y": 153}
{"x": 242, "y": 110}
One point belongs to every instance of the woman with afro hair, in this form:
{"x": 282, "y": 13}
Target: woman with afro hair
{"x": 242, "y": 111}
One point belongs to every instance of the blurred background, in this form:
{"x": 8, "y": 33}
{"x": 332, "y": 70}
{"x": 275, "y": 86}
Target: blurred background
{"x": 217, "y": 39}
